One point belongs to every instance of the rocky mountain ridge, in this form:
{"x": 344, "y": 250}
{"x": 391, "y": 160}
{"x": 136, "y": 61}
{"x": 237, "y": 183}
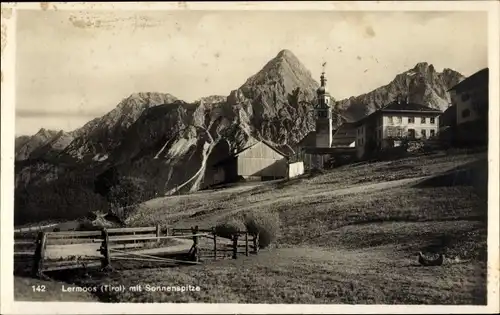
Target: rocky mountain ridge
{"x": 277, "y": 101}
{"x": 422, "y": 84}
{"x": 42, "y": 143}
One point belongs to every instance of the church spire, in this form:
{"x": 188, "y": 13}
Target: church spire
{"x": 321, "y": 91}
{"x": 324, "y": 124}
{"x": 323, "y": 78}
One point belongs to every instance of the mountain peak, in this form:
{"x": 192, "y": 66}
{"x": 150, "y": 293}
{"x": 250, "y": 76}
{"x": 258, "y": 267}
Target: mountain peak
{"x": 284, "y": 69}
{"x": 47, "y": 132}
{"x": 423, "y": 67}
{"x": 423, "y": 85}
{"x": 285, "y": 53}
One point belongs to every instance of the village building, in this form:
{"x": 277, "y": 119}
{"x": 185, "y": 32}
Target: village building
{"x": 394, "y": 122}
{"x": 258, "y": 161}
{"x": 466, "y": 120}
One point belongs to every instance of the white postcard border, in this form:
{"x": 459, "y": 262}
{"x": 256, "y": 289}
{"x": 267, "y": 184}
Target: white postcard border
{"x": 7, "y": 161}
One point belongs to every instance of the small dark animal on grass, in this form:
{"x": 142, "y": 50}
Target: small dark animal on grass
{"x": 430, "y": 262}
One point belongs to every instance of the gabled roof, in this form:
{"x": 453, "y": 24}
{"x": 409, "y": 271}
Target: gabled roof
{"x": 342, "y": 136}
{"x": 244, "y": 149}
{"x": 309, "y": 140}
{"x": 404, "y": 106}
{"x": 478, "y": 78}
{"x": 400, "y": 107}
{"x": 284, "y": 150}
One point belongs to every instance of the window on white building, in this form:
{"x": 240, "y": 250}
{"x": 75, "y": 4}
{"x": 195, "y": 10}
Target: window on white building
{"x": 433, "y": 132}
{"x": 411, "y": 120}
{"x": 423, "y": 120}
{"x": 433, "y": 120}
{"x": 424, "y": 134}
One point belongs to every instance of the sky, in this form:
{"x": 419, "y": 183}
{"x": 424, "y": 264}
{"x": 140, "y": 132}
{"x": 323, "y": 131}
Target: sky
{"x": 73, "y": 66}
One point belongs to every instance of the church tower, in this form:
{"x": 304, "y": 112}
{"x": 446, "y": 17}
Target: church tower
{"x": 323, "y": 115}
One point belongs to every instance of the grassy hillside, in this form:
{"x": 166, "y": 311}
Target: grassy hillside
{"x": 349, "y": 235}
{"x": 307, "y": 196}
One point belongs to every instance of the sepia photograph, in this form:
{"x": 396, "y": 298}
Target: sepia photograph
{"x": 250, "y": 154}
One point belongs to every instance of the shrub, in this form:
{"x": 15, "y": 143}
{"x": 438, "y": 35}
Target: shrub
{"x": 227, "y": 229}
{"x": 129, "y": 191}
{"x": 265, "y": 224}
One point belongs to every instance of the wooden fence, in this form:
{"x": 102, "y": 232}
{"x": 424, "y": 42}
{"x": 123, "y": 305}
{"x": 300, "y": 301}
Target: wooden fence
{"x": 239, "y": 243}
{"x": 52, "y": 251}
{"x": 35, "y": 228}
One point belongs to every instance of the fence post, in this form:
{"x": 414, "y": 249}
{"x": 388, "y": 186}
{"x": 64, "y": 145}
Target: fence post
{"x": 158, "y": 233}
{"x": 235, "y": 245}
{"x": 246, "y": 243}
{"x": 106, "y": 260}
{"x": 195, "y": 256}
{"x": 256, "y": 243}
{"x": 215, "y": 243}
{"x": 39, "y": 254}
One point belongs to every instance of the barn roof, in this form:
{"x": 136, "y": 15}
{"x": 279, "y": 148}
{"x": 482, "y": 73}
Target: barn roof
{"x": 284, "y": 150}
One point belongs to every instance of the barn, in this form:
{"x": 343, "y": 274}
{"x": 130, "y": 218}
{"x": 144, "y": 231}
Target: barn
{"x": 258, "y": 161}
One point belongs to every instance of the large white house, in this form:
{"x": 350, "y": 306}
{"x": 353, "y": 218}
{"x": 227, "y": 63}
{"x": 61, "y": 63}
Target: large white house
{"x": 398, "y": 119}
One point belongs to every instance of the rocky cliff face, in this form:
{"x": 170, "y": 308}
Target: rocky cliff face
{"x": 423, "y": 84}
{"x": 41, "y": 143}
{"x": 167, "y": 142}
